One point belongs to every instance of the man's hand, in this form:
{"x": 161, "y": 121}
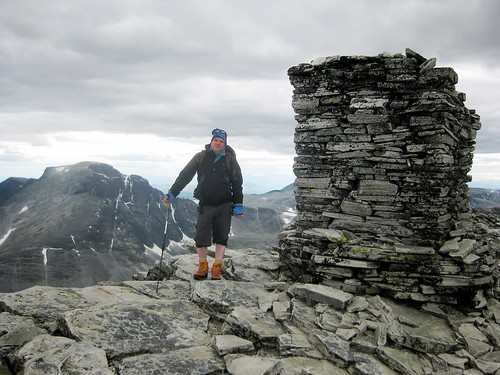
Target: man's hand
{"x": 168, "y": 199}
{"x": 238, "y": 210}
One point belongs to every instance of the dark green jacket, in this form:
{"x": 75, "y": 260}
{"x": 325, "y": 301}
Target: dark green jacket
{"x": 217, "y": 182}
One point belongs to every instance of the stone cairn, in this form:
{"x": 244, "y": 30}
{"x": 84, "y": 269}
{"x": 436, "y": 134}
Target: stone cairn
{"x": 384, "y": 146}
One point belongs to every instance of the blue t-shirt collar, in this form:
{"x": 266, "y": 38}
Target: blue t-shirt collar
{"x": 219, "y": 155}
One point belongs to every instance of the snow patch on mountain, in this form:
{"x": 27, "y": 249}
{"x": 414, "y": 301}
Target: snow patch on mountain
{"x": 289, "y": 216}
{"x": 44, "y": 252}
{"x": 173, "y": 247}
{"x": 2, "y": 240}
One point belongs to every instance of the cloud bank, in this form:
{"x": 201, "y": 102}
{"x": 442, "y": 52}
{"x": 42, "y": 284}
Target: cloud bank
{"x": 141, "y": 84}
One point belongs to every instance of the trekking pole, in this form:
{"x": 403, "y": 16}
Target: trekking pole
{"x": 163, "y": 248}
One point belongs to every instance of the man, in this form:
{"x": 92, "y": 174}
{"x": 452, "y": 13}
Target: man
{"x": 220, "y": 194}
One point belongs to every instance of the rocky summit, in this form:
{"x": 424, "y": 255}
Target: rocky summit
{"x": 248, "y": 323}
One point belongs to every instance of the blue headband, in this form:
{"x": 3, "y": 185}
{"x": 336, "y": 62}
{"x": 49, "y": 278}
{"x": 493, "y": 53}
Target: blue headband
{"x": 219, "y": 133}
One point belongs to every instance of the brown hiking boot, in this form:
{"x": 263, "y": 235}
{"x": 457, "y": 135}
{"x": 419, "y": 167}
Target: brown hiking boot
{"x": 202, "y": 270}
{"x": 216, "y": 268}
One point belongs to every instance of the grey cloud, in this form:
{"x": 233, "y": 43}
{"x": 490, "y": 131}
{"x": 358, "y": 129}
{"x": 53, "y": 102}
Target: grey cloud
{"x": 11, "y": 157}
{"x": 488, "y": 136}
{"x": 177, "y": 69}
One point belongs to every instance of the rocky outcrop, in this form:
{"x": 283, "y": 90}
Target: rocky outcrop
{"x": 248, "y": 323}
{"x": 384, "y": 145}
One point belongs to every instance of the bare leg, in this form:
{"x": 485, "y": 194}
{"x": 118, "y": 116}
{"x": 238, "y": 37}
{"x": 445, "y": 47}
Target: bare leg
{"x": 217, "y": 266}
{"x": 202, "y": 253}
{"x": 219, "y": 252}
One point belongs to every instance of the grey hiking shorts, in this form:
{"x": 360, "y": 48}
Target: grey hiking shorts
{"x": 214, "y": 222}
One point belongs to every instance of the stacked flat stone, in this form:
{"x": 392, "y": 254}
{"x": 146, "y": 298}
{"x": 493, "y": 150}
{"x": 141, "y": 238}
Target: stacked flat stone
{"x": 384, "y": 146}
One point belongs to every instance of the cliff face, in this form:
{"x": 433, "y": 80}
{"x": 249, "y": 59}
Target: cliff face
{"x": 384, "y": 145}
{"x": 248, "y": 323}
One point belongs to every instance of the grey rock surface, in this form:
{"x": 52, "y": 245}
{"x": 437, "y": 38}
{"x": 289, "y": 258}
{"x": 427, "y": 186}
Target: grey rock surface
{"x": 216, "y": 327}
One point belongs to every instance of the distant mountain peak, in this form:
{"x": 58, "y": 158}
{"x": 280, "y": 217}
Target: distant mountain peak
{"x": 11, "y": 186}
{"x": 81, "y": 166}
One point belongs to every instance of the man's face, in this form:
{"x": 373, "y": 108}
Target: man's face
{"x": 218, "y": 145}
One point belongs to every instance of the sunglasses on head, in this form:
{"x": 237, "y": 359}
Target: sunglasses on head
{"x": 219, "y": 131}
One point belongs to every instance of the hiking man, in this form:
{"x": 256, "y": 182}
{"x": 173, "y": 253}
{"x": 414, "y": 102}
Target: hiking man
{"x": 220, "y": 195}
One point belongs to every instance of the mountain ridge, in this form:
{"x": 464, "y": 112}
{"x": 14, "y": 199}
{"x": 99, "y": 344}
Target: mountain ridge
{"x": 84, "y": 223}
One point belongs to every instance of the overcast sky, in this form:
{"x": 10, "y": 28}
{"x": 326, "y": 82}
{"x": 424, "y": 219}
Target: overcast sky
{"x": 140, "y": 84}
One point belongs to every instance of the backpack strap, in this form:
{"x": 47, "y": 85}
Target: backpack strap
{"x": 228, "y": 157}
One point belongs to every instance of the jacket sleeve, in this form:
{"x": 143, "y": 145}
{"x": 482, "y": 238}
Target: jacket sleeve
{"x": 237, "y": 183}
{"x": 186, "y": 175}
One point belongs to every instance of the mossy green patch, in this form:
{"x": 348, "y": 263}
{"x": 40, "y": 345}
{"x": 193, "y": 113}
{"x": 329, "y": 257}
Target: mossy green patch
{"x": 360, "y": 249}
{"x": 339, "y": 240}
